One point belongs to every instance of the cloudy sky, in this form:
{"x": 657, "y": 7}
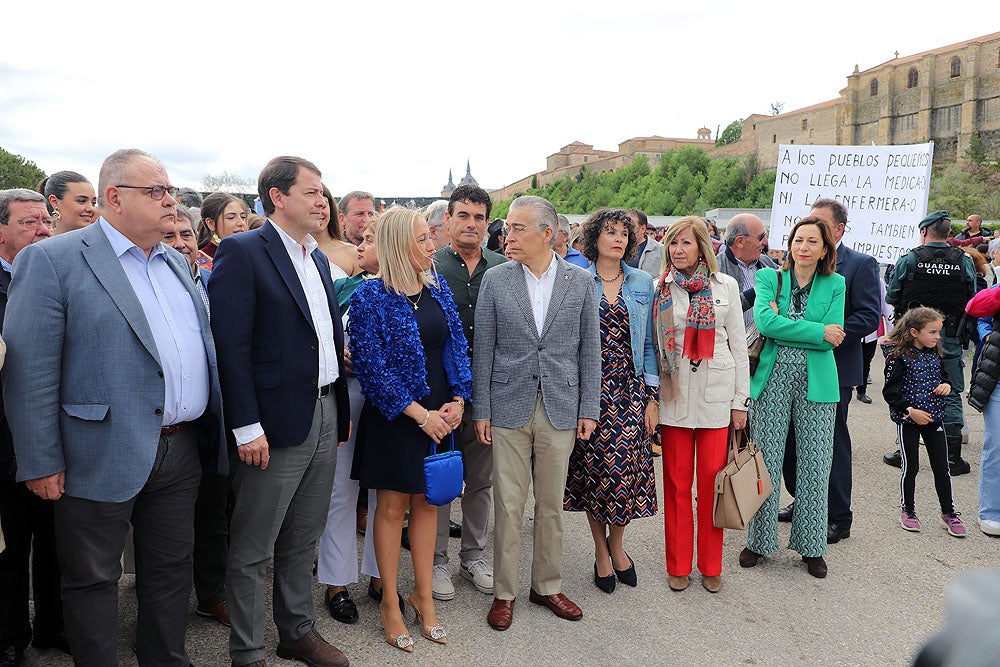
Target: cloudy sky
{"x": 387, "y": 96}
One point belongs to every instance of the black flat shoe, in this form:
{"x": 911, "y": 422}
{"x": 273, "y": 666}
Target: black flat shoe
{"x": 749, "y": 558}
{"x": 865, "y": 398}
{"x": 627, "y": 576}
{"x": 836, "y": 532}
{"x": 606, "y": 584}
{"x": 454, "y": 529}
{"x": 894, "y": 459}
{"x": 785, "y": 513}
{"x": 816, "y": 566}
{"x": 342, "y": 607}
{"x": 377, "y": 596}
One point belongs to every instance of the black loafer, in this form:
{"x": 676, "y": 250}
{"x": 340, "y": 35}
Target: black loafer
{"x": 377, "y": 596}
{"x": 865, "y": 398}
{"x": 342, "y": 607}
{"x": 836, "y": 532}
{"x": 894, "y": 459}
{"x": 785, "y": 513}
{"x": 454, "y": 529}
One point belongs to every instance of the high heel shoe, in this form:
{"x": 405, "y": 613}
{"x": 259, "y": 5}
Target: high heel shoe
{"x": 403, "y": 642}
{"x": 627, "y": 576}
{"x": 606, "y": 584}
{"x": 435, "y": 633}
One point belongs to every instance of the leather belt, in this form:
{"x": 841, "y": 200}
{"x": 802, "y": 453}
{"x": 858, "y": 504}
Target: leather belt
{"x": 173, "y": 428}
{"x": 324, "y": 391}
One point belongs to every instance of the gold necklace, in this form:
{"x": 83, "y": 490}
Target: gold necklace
{"x": 621, "y": 272}
{"x": 414, "y": 303}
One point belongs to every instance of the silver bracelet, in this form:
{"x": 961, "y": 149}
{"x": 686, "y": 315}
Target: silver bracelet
{"x": 427, "y": 418}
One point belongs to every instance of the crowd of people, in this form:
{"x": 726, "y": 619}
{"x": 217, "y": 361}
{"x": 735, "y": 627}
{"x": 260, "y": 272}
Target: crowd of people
{"x": 235, "y": 389}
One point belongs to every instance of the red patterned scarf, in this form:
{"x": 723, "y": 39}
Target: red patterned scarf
{"x": 699, "y": 326}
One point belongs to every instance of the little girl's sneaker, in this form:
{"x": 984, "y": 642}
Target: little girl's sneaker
{"x": 953, "y": 524}
{"x": 909, "y": 521}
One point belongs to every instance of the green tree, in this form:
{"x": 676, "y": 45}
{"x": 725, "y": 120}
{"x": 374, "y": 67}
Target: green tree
{"x": 534, "y": 181}
{"x": 965, "y": 188}
{"x": 732, "y": 133}
{"x": 976, "y": 152}
{"x": 18, "y": 172}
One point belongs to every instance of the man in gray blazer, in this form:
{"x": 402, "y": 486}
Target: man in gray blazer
{"x": 536, "y": 387}
{"x": 113, "y": 400}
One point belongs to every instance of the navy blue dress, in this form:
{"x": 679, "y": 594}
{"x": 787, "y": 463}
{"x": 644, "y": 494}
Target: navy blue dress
{"x": 389, "y": 454}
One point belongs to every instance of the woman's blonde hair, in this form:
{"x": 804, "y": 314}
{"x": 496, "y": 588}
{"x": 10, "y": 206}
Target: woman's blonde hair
{"x": 699, "y": 228}
{"x": 394, "y": 242}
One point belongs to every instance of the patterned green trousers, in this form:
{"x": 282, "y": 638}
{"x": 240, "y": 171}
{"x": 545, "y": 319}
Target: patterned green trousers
{"x": 782, "y": 400}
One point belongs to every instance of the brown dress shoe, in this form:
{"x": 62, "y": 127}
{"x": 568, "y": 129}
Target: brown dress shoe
{"x": 218, "y": 610}
{"x": 711, "y": 584}
{"x": 678, "y": 584}
{"x": 501, "y": 614}
{"x": 558, "y": 604}
{"x": 313, "y": 650}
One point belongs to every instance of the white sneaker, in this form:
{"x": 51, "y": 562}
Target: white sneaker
{"x": 480, "y": 574}
{"x": 990, "y": 527}
{"x": 441, "y": 586}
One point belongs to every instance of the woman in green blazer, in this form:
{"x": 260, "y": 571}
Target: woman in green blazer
{"x": 802, "y": 318}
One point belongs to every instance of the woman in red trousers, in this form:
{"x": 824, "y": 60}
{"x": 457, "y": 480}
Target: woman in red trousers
{"x": 704, "y": 386}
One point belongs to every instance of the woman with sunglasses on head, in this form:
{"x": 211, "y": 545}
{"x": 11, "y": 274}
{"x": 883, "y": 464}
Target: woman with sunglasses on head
{"x": 70, "y": 199}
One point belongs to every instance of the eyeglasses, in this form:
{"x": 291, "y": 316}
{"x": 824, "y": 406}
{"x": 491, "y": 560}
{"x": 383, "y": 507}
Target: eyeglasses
{"x": 156, "y": 192}
{"x": 33, "y": 223}
{"x": 513, "y": 229}
{"x": 760, "y": 237}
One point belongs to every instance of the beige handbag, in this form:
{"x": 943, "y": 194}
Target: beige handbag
{"x": 743, "y": 485}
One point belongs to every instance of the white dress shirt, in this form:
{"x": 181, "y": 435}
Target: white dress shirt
{"x": 540, "y": 290}
{"x": 319, "y": 309}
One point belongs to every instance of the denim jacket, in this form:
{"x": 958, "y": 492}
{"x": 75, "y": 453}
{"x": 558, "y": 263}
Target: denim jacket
{"x": 637, "y": 289}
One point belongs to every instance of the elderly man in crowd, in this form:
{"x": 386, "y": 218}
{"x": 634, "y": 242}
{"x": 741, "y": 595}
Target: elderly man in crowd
{"x": 211, "y": 520}
{"x": 562, "y": 246}
{"x": 742, "y": 258}
{"x": 117, "y": 408}
{"x": 357, "y": 208}
{"x": 463, "y": 264}
{"x": 283, "y": 379}
{"x": 26, "y": 518}
{"x": 536, "y": 387}
{"x": 435, "y": 214}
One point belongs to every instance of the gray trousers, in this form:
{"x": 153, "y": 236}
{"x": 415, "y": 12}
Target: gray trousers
{"x": 283, "y": 507}
{"x": 477, "y": 460}
{"x": 90, "y": 537}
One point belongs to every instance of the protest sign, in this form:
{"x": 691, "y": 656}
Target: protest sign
{"x": 883, "y": 187}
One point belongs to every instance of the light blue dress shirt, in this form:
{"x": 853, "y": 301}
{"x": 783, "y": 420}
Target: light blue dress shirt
{"x": 173, "y": 320}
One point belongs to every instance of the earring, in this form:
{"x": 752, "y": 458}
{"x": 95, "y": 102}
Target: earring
{"x": 55, "y": 214}
{"x": 215, "y": 239}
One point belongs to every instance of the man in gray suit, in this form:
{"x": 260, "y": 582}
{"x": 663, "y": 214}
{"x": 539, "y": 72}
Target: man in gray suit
{"x": 114, "y": 405}
{"x": 536, "y": 387}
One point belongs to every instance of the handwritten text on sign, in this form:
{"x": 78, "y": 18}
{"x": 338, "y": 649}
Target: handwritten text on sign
{"x": 883, "y": 187}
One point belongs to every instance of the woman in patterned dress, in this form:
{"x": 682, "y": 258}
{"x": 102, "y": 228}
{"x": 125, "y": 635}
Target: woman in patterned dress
{"x": 704, "y": 388}
{"x": 611, "y": 475}
{"x": 802, "y": 317}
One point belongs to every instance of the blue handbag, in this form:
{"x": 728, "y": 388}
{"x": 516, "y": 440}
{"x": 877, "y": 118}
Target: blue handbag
{"x": 443, "y": 475}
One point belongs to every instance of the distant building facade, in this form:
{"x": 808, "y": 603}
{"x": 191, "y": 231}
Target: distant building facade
{"x": 945, "y": 95}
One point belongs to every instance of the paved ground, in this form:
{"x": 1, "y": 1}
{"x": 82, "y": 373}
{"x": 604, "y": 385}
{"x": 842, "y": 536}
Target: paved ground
{"x": 881, "y": 601}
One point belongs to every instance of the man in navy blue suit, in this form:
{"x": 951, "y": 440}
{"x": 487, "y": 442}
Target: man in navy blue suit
{"x": 281, "y": 362}
{"x": 861, "y": 314}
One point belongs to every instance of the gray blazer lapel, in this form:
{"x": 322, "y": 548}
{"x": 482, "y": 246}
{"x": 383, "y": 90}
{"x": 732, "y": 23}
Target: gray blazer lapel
{"x": 519, "y": 288}
{"x": 559, "y": 290}
{"x": 97, "y": 252}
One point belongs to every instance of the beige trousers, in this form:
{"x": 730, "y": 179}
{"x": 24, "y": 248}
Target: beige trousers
{"x": 537, "y": 453}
